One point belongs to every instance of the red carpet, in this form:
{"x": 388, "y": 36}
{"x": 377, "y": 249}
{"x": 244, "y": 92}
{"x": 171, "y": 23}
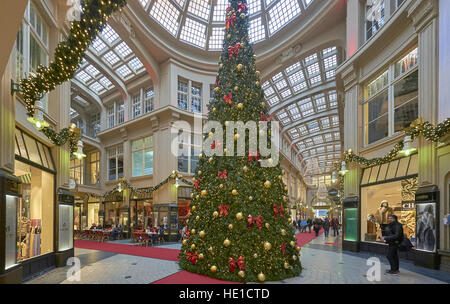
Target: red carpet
{"x": 148, "y": 252}
{"x": 185, "y": 277}
{"x": 305, "y": 238}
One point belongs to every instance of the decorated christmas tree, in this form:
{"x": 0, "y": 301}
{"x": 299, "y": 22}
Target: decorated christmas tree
{"x": 239, "y": 229}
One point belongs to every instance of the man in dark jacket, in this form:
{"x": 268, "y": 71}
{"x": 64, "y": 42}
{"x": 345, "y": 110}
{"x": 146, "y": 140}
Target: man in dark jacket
{"x": 393, "y": 237}
{"x": 326, "y": 226}
{"x": 309, "y": 223}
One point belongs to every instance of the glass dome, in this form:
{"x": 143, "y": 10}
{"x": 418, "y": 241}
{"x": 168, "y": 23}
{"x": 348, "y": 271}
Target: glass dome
{"x": 201, "y": 23}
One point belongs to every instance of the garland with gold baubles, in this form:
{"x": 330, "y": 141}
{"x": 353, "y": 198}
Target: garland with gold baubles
{"x": 122, "y": 181}
{"x": 417, "y": 127}
{"x": 67, "y": 58}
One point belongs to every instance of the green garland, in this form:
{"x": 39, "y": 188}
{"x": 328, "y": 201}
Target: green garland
{"x": 133, "y": 190}
{"x": 68, "y": 56}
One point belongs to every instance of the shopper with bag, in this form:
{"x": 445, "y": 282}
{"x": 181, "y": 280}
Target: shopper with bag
{"x": 393, "y": 237}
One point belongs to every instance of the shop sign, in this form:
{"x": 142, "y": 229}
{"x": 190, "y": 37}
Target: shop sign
{"x": 408, "y": 206}
{"x": 333, "y": 192}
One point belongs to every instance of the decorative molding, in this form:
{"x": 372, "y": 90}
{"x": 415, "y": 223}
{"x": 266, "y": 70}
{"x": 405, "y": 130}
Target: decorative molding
{"x": 349, "y": 77}
{"x": 289, "y": 53}
{"x": 422, "y": 12}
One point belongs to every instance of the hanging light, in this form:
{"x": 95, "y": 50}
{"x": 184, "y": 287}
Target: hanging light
{"x": 119, "y": 187}
{"x": 408, "y": 149}
{"x": 79, "y": 153}
{"x": 176, "y": 182}
{"x": 38, "y": 118}
{"x": 343, "y": 170}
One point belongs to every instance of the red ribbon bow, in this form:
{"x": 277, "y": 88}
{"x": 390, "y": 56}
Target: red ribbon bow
{"x": 251, "y": 221}
{"x": 283, "y": 248}
{"x": 254, "y": 155}
{"x": 192, "y": 257}
{"x": 188, "y": 231}
{"x": 242, "y": 7}
{"x": 230, "y": 20}
{"x": 196, "y": 184}
{"x": 233, "y": 50}
{"x": 264, "y": 118}
{"x": 223, "y": 209}
{"x": 278, "y": 210}
{"x": 236, "y": 263}
{"x": 227, "y": 98}
{"x": 222, "y": 175}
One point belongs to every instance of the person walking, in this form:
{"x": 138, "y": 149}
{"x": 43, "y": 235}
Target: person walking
{"x": 335, "y": 225}
{"x": 309, "y": 224}
{"x": 299, "y": 225}
{"x": 326, "y": 226}
{"x": 317, "y": 225}
{"x": 393, "y": 237}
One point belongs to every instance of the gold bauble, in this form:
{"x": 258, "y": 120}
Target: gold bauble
{"x": 286, "y": 265}
{"x": 236, "y": 136}
{"x": 210, "y": 249}
{"x": 236, "y": 88}
{"x": 292, "y": 243}
{"x": 200, "y": 256}
{"x": 257, "y": 83}
{"x": 193, "y": 208}
{"x": 199, "y": 173}
{"x": 267, "y": 225}
{"x": 298, "y": 248}
{"x": 217, "y": 89}
{"x": 240, "y": 106}
{"x": 197, "y": 196}
{"x": 261, "y": 277}
{"x": 294, "y": 257}
{"x": 241, "y": 274}
{"x": 283, "y": 232}
{"x": 263, "y": 104}
{"x": 234, "y": 192}
{"x": 192, "y": 195}
{"x": 230, "y": 226}
{"x": 289, "y": 220}
{"x": 215, "y": 214}
{"x": 267, "y": 184}
{"x": 285, "y": 198}
{"x": 250, "y": 198}
{"x": 220, "y": 66}
{"x": 193, "y": 246}
{"x": 229, "y": 36}
{"x": 200, "y": 156}
{"x": 184, "y": 242}
{"x": 245, "y": 169}
{"x": 225, "y": 150}
{"x": 285, "y": 188}
{"x": 210, "y": 160}
{"x": 202, "y": 234}
{"x": 255, "y": 256}
{"x": 213, "y": 268}
{"x": 214, "y": 110}
{"x": 239, "y": 216}
{"x": 210, "y": 134}
{"x": 267, "y": 246}
{"x": 242, "y": 16}
{"x": 280, "y": 177}
{"x": 221, "y": 186}
{"x": 197, "y": 217}
{"x": 227, "y": 242}
{"x": 204, "y": 192}
{"x": 193, "y": 231}
{"x": 258, "y": 73}
{"x": 283, "y": 172}
{"x": 239, "y": 67}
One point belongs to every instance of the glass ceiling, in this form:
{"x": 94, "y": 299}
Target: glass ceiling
{"x": 111, "y": 53}
{"x": 201, "y": 22}
{"x": 311, "y": 121}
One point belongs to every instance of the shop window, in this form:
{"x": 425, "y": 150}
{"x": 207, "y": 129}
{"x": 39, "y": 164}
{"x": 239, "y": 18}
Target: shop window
{"x": 110, "y": 116}
{"x": 95, "y": 125}
{"x": 30, "y": 149}
{"x": 120, "y": 112}
{"x": 142, "y": 150}
{"x": 189, "y": 148}
{"x": 149, "y": 96}
{"x": 137, "y": 105}
{"x": 182, "y": 94}
{"x": 115, "y": 163}
{"x": 77, "y": 170}
{"x": 391, "y": 100}
{"x": 196, "y": 98}
{"x": 94, "y": 167}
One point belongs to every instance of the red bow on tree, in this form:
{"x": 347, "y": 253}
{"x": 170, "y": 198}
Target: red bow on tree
{"x": 223, "y": 209}
{"x": 242, "y": 7}
{"x": 192, "y": 257}
{"x": 251, "y": 221}
{"x": 189, "y": 212}
{"x": 213, "y": 145}
{"x": 254, "y": 155}
{"x": 278, "y": 210}
{"x": 264, "y": 118}
{"x": 233, "y": 50}
{"x": 229, "y": 7}
{"x": 230, "y": 20}
{"x": 188, "y": 231}
{"x": 217, "y": 81}
{"x": 196, "y": 183}
{"x": 222, "y": 175}
{"x": 283, "y": 248}
{"x": 239, "y": 263}
{"x": 227, "y": 98}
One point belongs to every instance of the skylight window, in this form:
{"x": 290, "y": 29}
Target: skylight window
{"x": 92, "y": 70}
{"x": 303, "y": 130}
{"x": 286, "y": 94}
{"x": 83, "y": 76}
{"x": 199, "y": 8}
{"x": 180, "y": 2}
{"x": 313, "y": 127}
{"x": 143, "y": 3}
{"x": 282, "y": 13}
{"x": 135, "y": 64}
{"x": 111, "y": 58}
{"x": 123, "y": 49}
{"x": 109, "y": 34}
{"x": 300, "y": 87}
{"x": 97, "y": 87}
{"x": 254, "y": 6}
{"x": 123, "y": 71}
{"x": 269, "y": 91}
{"x": 316, "y": 80}
{"x": 106, "y": 82}
{"x": 256, "y": 30}
{"x": 219, "y": 11}
{"x": 292, "y": 68}
{"x": 277, "y": 77}
{"x": 313, "y": 69}
{"x": 166, "y": 14}
{"x": 330, "y": 62}
{"x": 274, "y": 100}
{"x": 98, "y": 45}
{"x": 296, "y": 77}
{"x": 194, "y": 32}
{"x": 281, "y": 84}
{"x": 216, "y": 39}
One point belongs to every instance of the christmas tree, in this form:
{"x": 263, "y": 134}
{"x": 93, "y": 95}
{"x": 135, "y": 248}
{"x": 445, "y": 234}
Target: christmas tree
{"x": 239, "y": 229}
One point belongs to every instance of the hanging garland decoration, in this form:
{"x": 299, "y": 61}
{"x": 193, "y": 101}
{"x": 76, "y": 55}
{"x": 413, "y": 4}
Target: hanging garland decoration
{"x": 175, "y": 174}
{"x": 68, "y": 56}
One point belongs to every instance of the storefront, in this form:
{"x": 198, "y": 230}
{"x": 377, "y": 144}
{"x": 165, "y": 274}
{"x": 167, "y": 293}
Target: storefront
{"x": 141, "y": 211}
{"x": 87, "y": 211}
{"x": 166, "y": 215}
{"x": 184, "y": 205}
{"x": 44, "y": 217}
{"x": 117, "y": 212}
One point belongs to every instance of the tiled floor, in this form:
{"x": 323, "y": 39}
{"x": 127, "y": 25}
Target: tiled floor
{"x": 323, "y": 264}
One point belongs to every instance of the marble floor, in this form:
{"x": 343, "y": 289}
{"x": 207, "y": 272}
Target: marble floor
{"x": 322, "y": 259}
